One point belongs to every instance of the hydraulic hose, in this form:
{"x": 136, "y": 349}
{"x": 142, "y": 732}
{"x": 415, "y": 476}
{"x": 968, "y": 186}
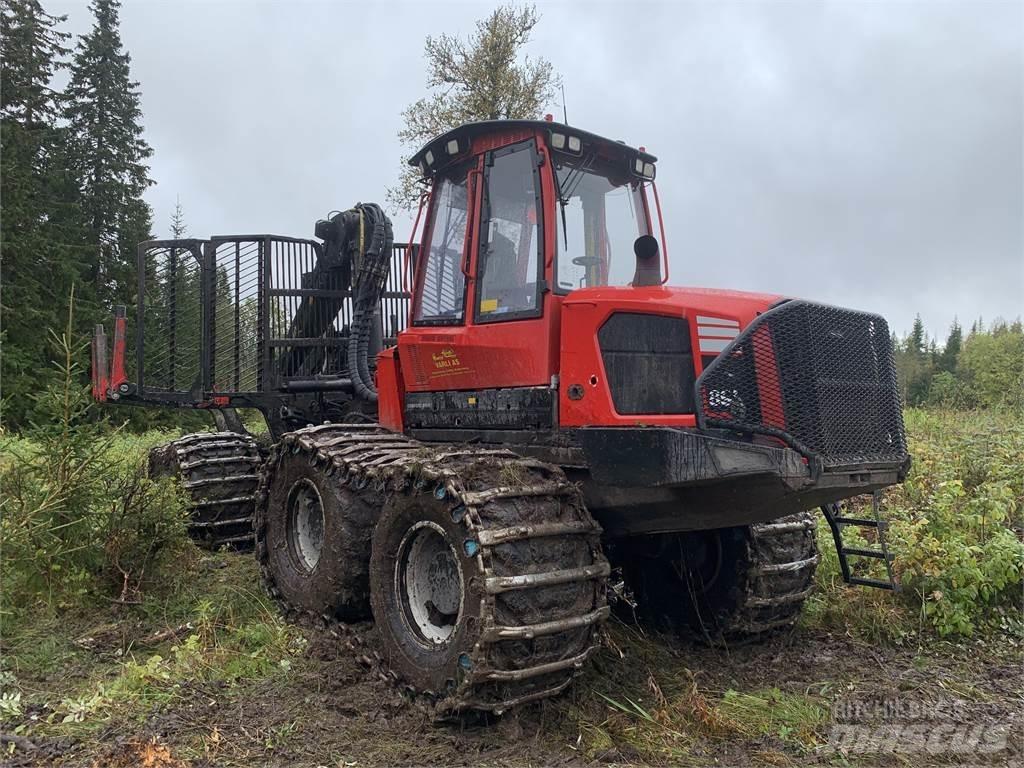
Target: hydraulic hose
{"x": 369, "y": 276}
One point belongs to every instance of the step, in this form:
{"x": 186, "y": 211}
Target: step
{"x": 875, "y": 553}
{"x": 877, "y": 583}
{"x": 862, "y": 521}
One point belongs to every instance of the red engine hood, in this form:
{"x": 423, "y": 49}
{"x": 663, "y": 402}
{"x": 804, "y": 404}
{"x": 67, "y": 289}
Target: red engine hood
{"x": 711, "y": 303}
{"x": 714, "y": 318}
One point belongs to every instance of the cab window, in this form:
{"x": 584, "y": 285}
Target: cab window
{"x": 601, "y": 216}
{"x": 442, "y": 296}
{"x": 509, "y": 269}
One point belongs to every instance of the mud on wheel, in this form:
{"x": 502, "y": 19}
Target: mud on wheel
{"x": 220, "y": 472}
{"x": 313, "y": 532}
{"x": 729, "y": 585}
{"x": 486, "y": 576}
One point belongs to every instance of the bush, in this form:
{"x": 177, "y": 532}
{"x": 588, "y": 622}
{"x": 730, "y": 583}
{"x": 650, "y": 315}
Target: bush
{"x": 992, "y": 365}
{"x": 957, "y": 520}
{"x": 79, "y": 515}
{"x": 956, "y": 531}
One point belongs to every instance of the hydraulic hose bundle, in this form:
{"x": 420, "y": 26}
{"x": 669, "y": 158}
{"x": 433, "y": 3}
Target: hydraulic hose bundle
{"x": 358, "y": 243}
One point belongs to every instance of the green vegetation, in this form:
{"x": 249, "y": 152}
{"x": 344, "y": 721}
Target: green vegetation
{"x": 956, "y": 529}
{"x": 485, "y": 77}
{"x": 73, "y": 174}
{"x": 82, "y": 666}
{"x": 985, "y": 369}
{"x": 79, "y": 515}
{"x": 196, "y": 651}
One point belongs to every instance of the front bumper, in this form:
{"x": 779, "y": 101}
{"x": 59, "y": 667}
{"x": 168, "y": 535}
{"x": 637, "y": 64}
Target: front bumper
{"x": 647, "y": 479}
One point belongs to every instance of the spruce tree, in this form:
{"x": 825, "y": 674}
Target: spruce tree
{"x": 917, "y": 340}
{"x": 178, "y": 227}
{"x": 38, "y": 239}
{"x": 950, "y": 352}
{"x": 106, "y": 138}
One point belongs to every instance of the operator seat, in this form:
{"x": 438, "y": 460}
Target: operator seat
{"x": 500, "y": 268}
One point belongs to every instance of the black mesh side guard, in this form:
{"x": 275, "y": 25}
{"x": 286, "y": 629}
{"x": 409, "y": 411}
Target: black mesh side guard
{"x": 821, "y": 379}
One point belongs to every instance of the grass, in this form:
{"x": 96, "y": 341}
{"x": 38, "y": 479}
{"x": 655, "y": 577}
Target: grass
{"x": 80, "y": 669}
{"x": 206, "y": 668}
{"x": 794, "y": 718}
{"x": 212, "y": 673}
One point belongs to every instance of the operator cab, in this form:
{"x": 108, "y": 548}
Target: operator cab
{"x": 545, "y": 195}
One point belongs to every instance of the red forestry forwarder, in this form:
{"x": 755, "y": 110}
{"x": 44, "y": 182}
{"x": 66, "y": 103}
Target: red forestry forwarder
{"x": 470, "y": 462}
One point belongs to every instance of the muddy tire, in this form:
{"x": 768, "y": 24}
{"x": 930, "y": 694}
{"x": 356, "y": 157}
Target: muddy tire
{"x": 725, "y": 586}
{"x": 219, "y": 472}
{"x": 313, "y": 537}
{"x": 474, "y": 605}
{"x": 511, "y": 561}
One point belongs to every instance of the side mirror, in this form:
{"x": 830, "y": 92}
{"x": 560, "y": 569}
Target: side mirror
{"x": 648, "y": 265}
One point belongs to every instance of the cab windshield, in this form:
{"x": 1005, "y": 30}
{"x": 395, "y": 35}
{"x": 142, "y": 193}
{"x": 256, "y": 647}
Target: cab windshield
{"x": 600, "y": 217}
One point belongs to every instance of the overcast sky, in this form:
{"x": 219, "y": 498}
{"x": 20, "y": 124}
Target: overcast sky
{"x": 863, "y": 154}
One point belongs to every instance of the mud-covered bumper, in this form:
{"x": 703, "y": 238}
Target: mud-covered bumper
{"x": 663, "y": 478}
{"x": 665, "y": 456}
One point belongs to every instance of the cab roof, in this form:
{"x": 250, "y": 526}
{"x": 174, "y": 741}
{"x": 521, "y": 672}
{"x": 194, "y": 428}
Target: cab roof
{"x": 466, "y": 132}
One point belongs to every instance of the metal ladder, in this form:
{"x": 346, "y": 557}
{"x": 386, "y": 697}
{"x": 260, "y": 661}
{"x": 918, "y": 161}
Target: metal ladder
{"x": 837, "y": 521}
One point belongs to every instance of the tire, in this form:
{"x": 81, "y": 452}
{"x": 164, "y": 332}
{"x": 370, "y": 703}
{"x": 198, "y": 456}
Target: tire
{"x": 219, "y": 472}
{"x": 522, "y": 552}
{"x": 329, "y": 578}
{"x": 724, "y": 586}
{"x": 483, "y": 628}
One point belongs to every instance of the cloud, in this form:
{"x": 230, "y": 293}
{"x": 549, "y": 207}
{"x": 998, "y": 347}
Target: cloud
{"x": 863, "y": 154}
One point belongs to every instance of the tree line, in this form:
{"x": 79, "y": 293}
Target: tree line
{"x": 74, "y": 169}
{"x": 982, "y": 368}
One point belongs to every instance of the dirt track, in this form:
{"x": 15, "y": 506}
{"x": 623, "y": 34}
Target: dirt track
{"x": 334, "y": 708}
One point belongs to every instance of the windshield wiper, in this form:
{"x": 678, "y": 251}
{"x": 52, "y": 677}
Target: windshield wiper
{"x": 561, "y": 207}
{"x": 572, "y": 180}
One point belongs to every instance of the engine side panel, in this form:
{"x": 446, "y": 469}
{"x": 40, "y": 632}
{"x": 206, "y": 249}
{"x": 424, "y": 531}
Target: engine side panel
{"x": 629, "y": 356}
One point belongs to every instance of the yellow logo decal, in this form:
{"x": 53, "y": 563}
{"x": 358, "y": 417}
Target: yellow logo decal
{"x": 447, "y": 363}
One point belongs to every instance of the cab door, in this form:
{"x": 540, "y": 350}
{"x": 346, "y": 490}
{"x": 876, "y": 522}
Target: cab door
{"x": 478, "y": 318}
{"x": 509, "y": 334}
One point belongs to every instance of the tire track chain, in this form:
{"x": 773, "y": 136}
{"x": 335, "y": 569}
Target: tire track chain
{"x": 381, "y": 463}
{"x": 782, "y": 558}
{"x": 219, "y": 471}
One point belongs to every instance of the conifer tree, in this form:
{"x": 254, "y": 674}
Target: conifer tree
{"x": 917, "y": 339}
{"x": 178, "y": 227}
{"x": 106, "y": 138}
{"x": 39, "y": 262}
{"x": 950, "y": 352}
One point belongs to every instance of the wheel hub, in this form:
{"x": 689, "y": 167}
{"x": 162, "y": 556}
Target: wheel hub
{"x": 305, "y": 523}
{"x": 429, "y": 583}
{"x": 700, "y": 561}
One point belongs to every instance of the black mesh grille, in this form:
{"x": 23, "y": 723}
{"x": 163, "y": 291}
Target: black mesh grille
{"x": 820, "y": 378}
{"x": 648, "y": 362}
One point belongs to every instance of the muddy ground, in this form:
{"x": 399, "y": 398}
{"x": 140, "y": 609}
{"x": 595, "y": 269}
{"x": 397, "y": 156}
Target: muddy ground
{"x": 645, "y": 700}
